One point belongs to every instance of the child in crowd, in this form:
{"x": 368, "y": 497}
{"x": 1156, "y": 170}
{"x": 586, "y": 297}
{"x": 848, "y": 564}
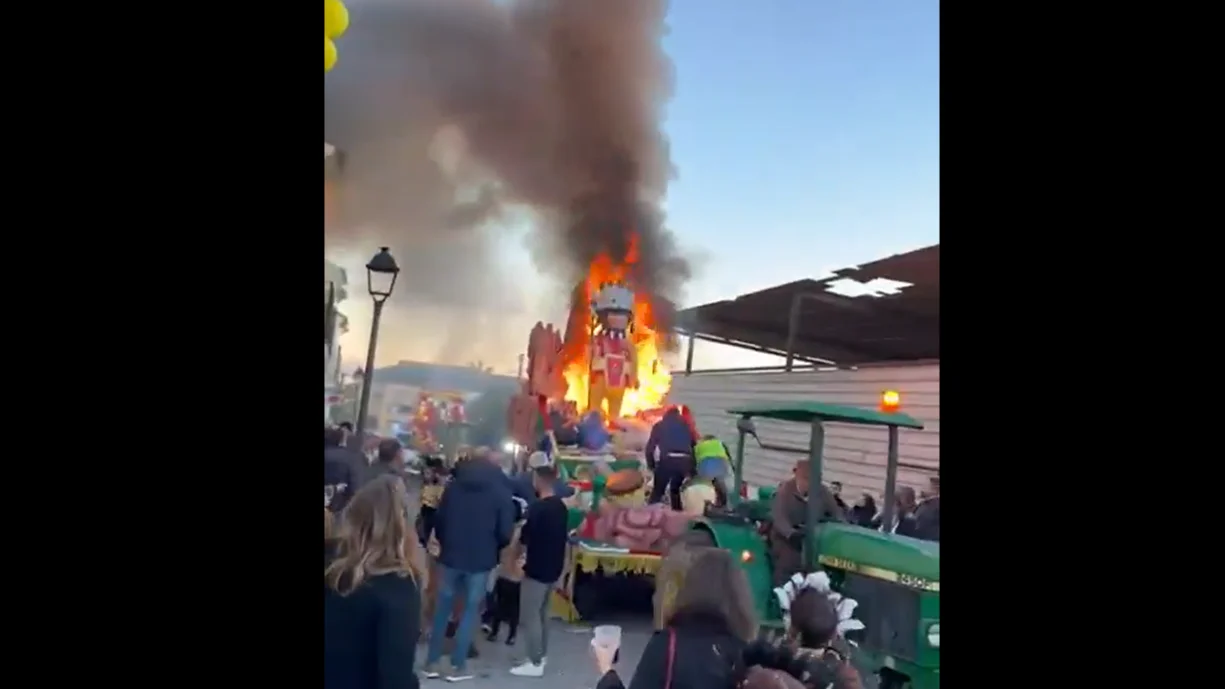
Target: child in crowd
{"x": 503, "y": 602}
{"x": 814, "y": 635}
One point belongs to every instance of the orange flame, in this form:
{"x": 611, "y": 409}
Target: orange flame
{"x": 654, "y": 379}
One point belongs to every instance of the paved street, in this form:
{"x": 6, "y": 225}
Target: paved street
{"x": 569, "y": 667}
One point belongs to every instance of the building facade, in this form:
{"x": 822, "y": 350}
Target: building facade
{"x": 334, "y": 325}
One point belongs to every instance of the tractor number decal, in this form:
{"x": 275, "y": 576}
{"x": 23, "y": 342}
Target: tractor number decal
{"x": 838, "y": 563}
{"x": 912, "y": 581}
{"x": 907, "y": 580}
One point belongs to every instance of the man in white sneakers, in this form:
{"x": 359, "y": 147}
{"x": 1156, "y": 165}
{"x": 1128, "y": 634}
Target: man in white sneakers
{"x": 544, "y": 536}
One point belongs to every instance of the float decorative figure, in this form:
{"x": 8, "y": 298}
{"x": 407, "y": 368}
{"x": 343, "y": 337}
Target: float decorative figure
{"x": 614, "y": 361}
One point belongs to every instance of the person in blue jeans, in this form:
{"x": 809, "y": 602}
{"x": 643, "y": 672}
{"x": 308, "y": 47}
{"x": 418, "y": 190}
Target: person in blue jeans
{"x": 473, "y": 523}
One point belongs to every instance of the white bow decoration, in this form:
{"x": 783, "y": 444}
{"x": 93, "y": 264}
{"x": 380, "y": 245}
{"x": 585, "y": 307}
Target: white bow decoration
{"x": 819, "y": 581}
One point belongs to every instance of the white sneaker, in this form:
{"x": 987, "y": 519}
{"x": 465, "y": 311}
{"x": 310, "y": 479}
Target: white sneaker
{"x": 528, "y": 669}
{"x": 544, "y": 660}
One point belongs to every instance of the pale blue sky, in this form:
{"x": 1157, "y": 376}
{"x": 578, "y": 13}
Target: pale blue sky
{"x": 806, "y": 134}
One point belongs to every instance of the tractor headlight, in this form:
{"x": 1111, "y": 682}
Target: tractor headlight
{"x": 933, "y": 635}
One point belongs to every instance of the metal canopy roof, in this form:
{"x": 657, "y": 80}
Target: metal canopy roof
{"x": 802, "y": 320}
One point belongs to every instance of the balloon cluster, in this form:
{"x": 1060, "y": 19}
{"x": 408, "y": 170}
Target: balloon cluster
{"x": 335, "y": 21}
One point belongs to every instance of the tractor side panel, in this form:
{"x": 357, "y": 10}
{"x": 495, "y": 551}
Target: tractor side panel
{"x": 749, "y": 548}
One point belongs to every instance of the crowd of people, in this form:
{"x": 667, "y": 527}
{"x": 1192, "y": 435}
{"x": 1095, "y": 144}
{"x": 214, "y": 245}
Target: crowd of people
{"x": 914, "y": 516}
{"x": 496, "y": 543}
{"x": 496, "y": 546}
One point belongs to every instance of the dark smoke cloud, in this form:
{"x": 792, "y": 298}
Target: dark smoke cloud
{"x": 550, "y": 104}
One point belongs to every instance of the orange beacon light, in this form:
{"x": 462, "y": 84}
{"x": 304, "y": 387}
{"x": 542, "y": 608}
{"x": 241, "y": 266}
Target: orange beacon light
{"x": 890, "y": 400}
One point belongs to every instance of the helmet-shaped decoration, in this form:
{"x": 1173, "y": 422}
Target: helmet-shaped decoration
{"x": 613, "y": 296}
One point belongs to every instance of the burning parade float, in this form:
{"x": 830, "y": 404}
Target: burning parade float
{"x": 591, "y": 396}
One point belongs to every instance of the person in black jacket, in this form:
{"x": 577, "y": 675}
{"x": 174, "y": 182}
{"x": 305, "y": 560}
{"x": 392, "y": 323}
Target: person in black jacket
{"x": 863, "y": 512}
{"x": 544, "y": 537}
{"x": 474, "y": 521}
{"x": 371, "y": 601}
{"x": 338, "y": 473}
{"x": 927, "y": 513}
{"x": 705, "y": 634}
{"x": 672, "y": 439}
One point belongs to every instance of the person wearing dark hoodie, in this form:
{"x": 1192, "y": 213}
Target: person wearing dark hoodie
{"x": 338, "y": 471}
{"x": 474, "y": 521}
{"x": 705, "y": 633}
{"x": 670, "y": 454}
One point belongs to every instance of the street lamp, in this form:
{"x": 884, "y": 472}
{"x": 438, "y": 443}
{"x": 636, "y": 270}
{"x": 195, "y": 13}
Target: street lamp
{"x": 381, "y": 274}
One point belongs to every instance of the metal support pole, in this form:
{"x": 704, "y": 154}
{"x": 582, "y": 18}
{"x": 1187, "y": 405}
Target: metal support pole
{"x": 737, "y": 470}
{"x": 890, "y": 480}
{"x": 816, "y": 447}
{"x": 793, "y": 327}
{"x": 590, "y": 361}
{"x": 367, "y": 382}
{"x": 329, "y": 325}
{"x": 689, "y": 364}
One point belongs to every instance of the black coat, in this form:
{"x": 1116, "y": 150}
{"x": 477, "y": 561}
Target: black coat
{"x": 370, "y": 636}
{"x": 706, "y": 656}
{"x": 475, "y": 518}
{"x": 927, "y": 520}
{"x": 863, "y": 515}
{"x": 907, "y": 525}
{"x": 339, "y": 478}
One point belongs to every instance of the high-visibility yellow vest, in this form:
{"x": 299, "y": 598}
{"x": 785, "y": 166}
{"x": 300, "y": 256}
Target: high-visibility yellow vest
{"x": 712, "y": 459}
{"x": 710, "y": 448}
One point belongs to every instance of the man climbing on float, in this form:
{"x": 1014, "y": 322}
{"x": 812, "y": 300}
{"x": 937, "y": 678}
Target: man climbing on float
{"x": 670, "y": 454}
{"x": 713, "y": 465}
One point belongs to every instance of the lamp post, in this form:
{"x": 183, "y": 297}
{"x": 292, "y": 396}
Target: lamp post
{"x": 381, "y": 274}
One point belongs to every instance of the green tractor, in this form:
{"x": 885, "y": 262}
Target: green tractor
{"x": 895, "y": 579}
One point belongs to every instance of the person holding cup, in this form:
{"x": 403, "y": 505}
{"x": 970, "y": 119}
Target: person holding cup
{"x": 704, "y": 635}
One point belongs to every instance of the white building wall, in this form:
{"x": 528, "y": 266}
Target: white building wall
{"x": 854, "y": 455}
{"x": 333, "y": 277}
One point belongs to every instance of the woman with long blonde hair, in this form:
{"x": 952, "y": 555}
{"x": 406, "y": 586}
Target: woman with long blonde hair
{"x": 371, "y": 601}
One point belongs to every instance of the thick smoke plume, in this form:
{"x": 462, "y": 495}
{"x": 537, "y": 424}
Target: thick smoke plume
{"x": 453, "y": 114}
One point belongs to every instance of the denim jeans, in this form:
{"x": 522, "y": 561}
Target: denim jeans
{"x": 470, "y": 585}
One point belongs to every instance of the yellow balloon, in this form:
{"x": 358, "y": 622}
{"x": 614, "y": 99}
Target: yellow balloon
{"x": 329, "y": 54}
{"x": 335, "y": 18}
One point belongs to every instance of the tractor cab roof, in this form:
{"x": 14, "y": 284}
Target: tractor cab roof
{"x": 805, "y": 412}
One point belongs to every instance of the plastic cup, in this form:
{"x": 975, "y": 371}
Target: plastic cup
{"x": 607, "y": 636}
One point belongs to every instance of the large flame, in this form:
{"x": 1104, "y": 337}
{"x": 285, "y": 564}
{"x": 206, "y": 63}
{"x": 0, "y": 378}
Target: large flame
{"x": 654, "y": 379}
